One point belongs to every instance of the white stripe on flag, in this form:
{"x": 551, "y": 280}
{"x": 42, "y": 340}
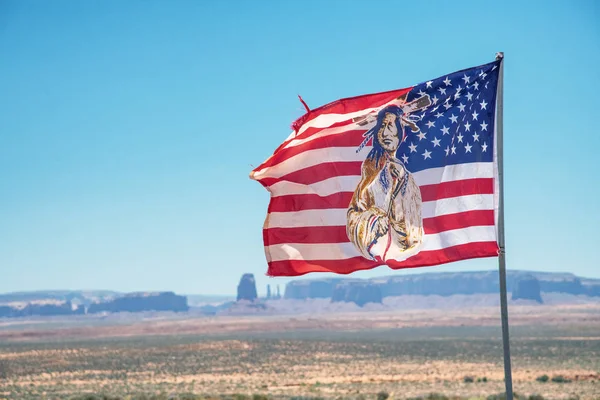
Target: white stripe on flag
{"x": 341, "y": 251}
{"x": 310, "y": 158}
{"x": 337, "y": 216}
{"x": 323, "y": 188}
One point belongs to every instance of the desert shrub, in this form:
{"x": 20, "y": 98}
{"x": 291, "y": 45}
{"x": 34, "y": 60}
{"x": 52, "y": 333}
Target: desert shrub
{"x": 560, "y": 379}
{"x": 468, "y": 379}
{"x": 536, "y": 397}
{"x": 4, "y": 372}
{"x": 383, "y": 395}
{"x": 431, "y": 396}
{"x": 543, "y": 378}
{"x": 188, "y": 396}
{"x": 306, "y": 398}
{"x": 502, "y": 396}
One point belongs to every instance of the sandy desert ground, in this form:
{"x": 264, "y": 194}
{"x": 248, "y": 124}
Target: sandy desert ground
{"x": 406, "y": 354}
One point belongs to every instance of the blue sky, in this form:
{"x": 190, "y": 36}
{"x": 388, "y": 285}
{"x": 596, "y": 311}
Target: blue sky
{"x": 128, "y": 128}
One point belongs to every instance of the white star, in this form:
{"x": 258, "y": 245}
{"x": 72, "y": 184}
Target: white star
{"x": 442, "y": 90}
{"x": 447, "y": 81}
{"x": 439, "y": 114}
{"x": 422, "y": 93}
{"x": 475, "y": 115}
{"x": 404, "y": 158}
{"x": 447, "y": 150}
{"x": 469, "y": 96}
{"x": 436, "y": 142}
{"x": 466, "y": 79}
{"x": 494, "y": 67}
{"x": 454, "y": 118}
{"x": 476, "y": 85}
{"x": 453, "y": 149}
{"x": 476, "y": 137}
{"x": 430, "y": 124}
{"x": 483, "y": 105}
{"x": 428, "y": 84}
{"x": 486, "y": 84}
{"x": 426, "y": 155}
{"x": 434, "y": 109}
{"x": 467, "y": 126}
{"x": 457, "y": 94}
{"x": 413, "y": 148}
{"x": 460, "y": 137}
{"x": 484, "y": 126}
{"x": 461, "y": 107}
{"x": 421, "y": 135}
{"x": 484, "y": 147}
{"x": 434, "y": 99}
{"x": 447, "y": 105}
{"x": 482, "y": 75}
{"x": 445, "y": 131}
{"x": 468, "y": 148}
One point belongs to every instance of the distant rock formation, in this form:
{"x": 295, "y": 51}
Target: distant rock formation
{"x": 246, "y": 289}
{"x": 359, "y": 293}
{"x": 441, "y": 284}
{"x": 527, "y": 288}
{"x": 311, "y": 289}
{"x": 447, "y": 284}
{"x": 138, "y": 302}
{"x": 39, "y": 308}
{"x": 244, "y": 307}
{"x": 74, "y": 296}
{"x": 31, "y": 309}
{"x": 7, "y": 311}
{"x": 210, "y": 309}
{"x": 593, "y": 289}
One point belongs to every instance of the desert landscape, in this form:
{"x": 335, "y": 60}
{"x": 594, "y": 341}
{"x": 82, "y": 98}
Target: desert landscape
{"x": 431, "y": 353}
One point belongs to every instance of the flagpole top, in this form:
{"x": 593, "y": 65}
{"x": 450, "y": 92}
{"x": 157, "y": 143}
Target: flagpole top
{"x": 499, "y": 55}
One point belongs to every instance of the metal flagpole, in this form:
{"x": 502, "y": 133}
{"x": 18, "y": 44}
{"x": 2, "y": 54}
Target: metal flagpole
{"x": 501, "y": 243}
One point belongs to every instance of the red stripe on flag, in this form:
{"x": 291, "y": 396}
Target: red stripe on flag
{"x": 422, "y": 259}
{"x": 337, "y": 234}
{"x": 351, "y": 138}
{"x": 463, "y": 187}
{"x": 299, "y": 202}
{"x": 351, "y": 105}
{"x": 318, "y": 173}
{"x": 312, "y": 234}
{"x": 311, "y": 131}
{"x": 458, "y": 221}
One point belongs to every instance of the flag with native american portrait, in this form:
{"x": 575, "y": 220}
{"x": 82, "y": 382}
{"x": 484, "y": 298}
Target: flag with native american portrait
{"x": 405, "y": 178}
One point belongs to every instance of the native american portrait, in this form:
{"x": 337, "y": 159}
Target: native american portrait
{"x": 384, "y": 216}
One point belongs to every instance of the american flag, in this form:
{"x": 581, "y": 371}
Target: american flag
{"x": 445, "y": 144}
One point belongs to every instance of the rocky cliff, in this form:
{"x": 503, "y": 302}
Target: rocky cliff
{"x": 138, "y": 302}
{"x": 447, "y": 284}
{"x": 40, "y": 308}
{"x": 311, "y": 289}
{"x": 359, "y": 293}
{"x": 527, "y": 288}
{"x": 246, "y": 289}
